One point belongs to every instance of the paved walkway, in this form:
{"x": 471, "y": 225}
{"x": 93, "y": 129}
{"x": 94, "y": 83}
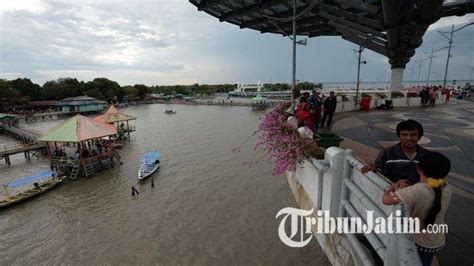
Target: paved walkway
{"x": 449, "y": 129}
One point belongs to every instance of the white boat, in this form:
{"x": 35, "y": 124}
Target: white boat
{"x": 169, "y": 110}
{"x": 151, "y": 163}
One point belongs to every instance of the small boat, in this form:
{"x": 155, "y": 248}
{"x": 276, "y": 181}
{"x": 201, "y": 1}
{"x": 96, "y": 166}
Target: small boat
{"x": 28, "y": 187}
{"x": 151, "y": 163}
{"x": 169, "y": 110}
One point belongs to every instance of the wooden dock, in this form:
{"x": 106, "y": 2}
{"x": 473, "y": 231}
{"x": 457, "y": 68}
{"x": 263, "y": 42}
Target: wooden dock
{"x": 27, "y": 149}
{"x": 30, "y": 145}
{"x": 23, "y": 135}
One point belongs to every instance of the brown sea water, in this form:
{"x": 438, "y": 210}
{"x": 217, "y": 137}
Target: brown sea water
{"x": 206, "y": 207}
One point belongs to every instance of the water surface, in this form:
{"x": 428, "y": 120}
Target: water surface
{"x": 205, "y": 208}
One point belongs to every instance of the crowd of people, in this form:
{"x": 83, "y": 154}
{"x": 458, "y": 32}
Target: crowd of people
{"x": 86, "y": 150}
{"x": 314, "y": 110}
{"x": 429, "y": 95}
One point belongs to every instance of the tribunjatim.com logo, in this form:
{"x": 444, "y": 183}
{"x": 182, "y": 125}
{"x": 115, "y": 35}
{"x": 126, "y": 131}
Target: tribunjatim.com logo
{"x": 306, "y": 222}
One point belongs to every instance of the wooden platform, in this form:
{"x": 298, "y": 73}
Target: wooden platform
{"x": 7, "y": 151}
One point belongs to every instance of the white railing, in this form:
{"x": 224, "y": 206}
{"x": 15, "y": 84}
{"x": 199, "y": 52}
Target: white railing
{"x": 336, "y": 184}
{"x": 376, "y": 101}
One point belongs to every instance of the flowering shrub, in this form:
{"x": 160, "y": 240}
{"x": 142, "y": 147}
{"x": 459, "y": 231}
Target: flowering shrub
{"x": 283, "y": 145}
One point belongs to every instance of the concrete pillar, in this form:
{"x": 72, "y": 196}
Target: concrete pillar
{"x": 332, "y": 180}
{"x": 396, "y": 80}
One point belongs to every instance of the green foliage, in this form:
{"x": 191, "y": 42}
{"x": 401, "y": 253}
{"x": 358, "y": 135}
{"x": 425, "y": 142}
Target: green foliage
{"x": 9, "y": 95}
{"x": 142, "y": 90}
{"x": 62, "y": 88}
{"x": 20, "y": 91}
{"x": 130, "y": 91}
{"x": 104, "y": 89}
{"x": 27, "y": 88}
{"x": 305, "y": 85}
{"x": 194, "y": 89}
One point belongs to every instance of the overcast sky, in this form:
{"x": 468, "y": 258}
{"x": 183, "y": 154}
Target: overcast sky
{"x": 163, "y": 42}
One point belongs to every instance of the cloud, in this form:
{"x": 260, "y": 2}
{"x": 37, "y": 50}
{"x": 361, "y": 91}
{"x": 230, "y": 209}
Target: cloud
{"x": 33, "y": 6}
{"x": 170, "y": 42}
{"x": 446, "y": 23}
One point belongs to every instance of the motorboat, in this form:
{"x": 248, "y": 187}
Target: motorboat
{"x": 150, "y": 163}
{"x": 28, "y": 187}
{"x": 169, "y": 110}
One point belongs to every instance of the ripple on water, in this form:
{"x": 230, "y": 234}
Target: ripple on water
{"x": 205, "y": 207}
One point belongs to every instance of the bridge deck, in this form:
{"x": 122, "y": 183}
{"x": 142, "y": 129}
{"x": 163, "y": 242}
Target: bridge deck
{"x": 19, "y": 148}
{"x": 22, "y": 134}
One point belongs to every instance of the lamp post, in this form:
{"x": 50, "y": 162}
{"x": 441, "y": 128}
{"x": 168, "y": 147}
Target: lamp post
{"x": 358, "y": 54}
{"x": 431, "y": 56}
{"x": 472, "y": 69}
{"x": 419, "y": 69}
{"x": 450, "y": 42}
{"x": 293, "y": 19}
{"x": 411, "y": 72}
{"x": 293, "y": 83}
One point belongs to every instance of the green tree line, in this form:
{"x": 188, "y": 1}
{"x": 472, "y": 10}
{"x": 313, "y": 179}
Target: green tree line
{"x": 22, "y": 90}
{"x": 302, "y": 86}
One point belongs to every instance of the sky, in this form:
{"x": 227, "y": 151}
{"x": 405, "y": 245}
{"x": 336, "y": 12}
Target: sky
{"x": 166, "y": 42}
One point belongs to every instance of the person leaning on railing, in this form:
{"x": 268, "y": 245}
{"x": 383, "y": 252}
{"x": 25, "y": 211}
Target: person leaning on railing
{"x": 426, "y": 200}
{"x": 398, "y": 162}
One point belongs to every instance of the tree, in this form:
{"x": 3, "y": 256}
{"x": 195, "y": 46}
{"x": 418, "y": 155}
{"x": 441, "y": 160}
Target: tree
{"x": 284, "y": 87}
{"x": 27, "y": 88}
{"x": 305, "y": 86}
{"x": 130, "y": 91}
{"x": 62, "y": 88}
{"x": 107, "y": 89}
{"x": 10, "y": 96}
{"x": 142, "y": 90}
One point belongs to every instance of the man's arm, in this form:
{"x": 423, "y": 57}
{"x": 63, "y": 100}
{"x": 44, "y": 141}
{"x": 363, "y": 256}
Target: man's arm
{"x": 379, "y": 163}
{"x": 381, "y": 160}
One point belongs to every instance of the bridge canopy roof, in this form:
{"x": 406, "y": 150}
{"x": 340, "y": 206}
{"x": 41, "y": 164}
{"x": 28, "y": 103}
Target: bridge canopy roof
{"x": 392, "y": 28}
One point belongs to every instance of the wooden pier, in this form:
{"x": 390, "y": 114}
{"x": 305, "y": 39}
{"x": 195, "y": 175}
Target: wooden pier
{"x": 23, "y": 135}
{"x": 29, "y": 146}
{"x": 27, "y": 149}
{"x": 48, "y": 116}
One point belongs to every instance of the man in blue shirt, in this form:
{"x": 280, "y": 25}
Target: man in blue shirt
{"x": 399, "y": 161}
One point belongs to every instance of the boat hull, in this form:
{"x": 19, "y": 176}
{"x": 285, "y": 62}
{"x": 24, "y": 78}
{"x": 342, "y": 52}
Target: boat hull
{"x": 24, "y": 196}
{"x": 142, "y": 174}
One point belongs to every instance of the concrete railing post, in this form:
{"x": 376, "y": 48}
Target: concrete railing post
{"x": 346, "y": 174}
{"x": 332, "y": 180}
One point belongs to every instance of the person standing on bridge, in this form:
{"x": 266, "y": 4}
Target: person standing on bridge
{"x": 329, "y": 109}
{"x": 398, "y": 162}
{"x": 433, "y": 96}
{"x": 316, "y": 103}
